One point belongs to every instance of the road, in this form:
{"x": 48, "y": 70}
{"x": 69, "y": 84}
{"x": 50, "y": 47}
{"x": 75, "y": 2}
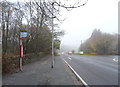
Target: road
{"x": 95, "y": 70}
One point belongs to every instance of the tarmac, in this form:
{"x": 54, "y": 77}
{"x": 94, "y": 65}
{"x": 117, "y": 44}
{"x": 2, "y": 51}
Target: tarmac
{"x": 40, "y": 73}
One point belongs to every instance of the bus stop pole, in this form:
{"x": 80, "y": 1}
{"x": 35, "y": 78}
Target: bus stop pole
{"x": 21, "y": 55}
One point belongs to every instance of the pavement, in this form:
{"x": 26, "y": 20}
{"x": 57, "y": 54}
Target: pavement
{"x": 41, "y": 73}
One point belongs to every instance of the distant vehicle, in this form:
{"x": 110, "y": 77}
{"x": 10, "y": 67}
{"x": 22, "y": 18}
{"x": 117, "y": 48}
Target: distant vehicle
{"x": 81, "y": 52}
{"x": 69, "y": 53}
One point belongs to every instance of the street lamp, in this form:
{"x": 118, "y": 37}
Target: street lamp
{"x": 52, "y": 58}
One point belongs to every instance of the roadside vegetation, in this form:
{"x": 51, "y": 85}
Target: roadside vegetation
{"x": 100, "y": 44}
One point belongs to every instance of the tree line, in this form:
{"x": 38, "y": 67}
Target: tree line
{"x": 101, "y": 43}
{"x": 33, "y": 17}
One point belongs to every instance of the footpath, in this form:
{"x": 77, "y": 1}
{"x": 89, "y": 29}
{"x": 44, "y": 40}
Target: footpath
{"x": 40, "y": 73}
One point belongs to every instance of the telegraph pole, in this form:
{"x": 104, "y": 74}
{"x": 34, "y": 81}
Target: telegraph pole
{"x": 81, "y": 45}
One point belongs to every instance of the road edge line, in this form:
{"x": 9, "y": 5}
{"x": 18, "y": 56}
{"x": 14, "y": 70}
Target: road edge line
{"x": 79, "y": 78}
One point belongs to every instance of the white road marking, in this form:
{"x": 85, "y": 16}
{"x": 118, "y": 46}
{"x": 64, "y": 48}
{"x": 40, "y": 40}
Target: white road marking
{"x": 76, "y": 74}
{"x": 69, "y": 58}
{"x": 116, "y": 60}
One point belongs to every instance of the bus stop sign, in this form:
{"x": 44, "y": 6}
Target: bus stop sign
{"x": 23, "y": 34}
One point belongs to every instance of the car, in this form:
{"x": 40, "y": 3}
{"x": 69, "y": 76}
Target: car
{"x": 69, "y": 53}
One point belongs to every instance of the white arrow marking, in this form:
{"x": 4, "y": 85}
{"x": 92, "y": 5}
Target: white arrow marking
{"x": 116, "y": 60}
{"x": 69, "y": 58}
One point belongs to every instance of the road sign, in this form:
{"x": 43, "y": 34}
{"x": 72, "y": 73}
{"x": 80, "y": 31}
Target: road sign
{"x": 23, "y": 34}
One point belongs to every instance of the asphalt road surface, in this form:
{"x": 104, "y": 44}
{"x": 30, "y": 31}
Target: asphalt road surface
{"x": 95, "y": 70}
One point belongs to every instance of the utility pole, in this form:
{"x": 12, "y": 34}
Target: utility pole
{"x": 52, "y": 58}
{"x": 81, "y": 49}
{"x": 81, "y": 45}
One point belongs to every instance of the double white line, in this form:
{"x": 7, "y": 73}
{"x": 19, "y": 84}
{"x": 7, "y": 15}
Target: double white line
{"x": 78, "y": 77}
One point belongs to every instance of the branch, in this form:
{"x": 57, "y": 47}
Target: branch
{"x": 69, "y": 7}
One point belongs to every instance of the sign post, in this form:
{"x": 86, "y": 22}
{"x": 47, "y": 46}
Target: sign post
{"x": 23, "y": 34}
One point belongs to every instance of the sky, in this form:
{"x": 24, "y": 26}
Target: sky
{"x": 80, "y": 22}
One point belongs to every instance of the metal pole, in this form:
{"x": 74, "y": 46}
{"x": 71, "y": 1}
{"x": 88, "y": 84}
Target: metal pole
{"x": 21, "y": 55}
{"x": 52, "y": 58}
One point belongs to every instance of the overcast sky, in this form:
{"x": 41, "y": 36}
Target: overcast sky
{"x": 80, "y": 22}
